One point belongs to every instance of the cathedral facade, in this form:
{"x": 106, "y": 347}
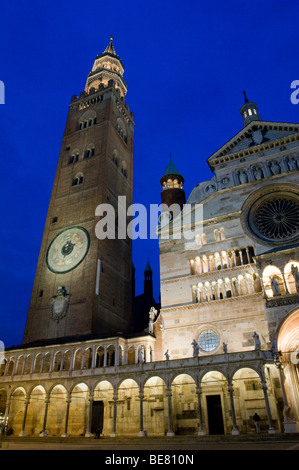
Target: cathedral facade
{"x": 222, "y": 345}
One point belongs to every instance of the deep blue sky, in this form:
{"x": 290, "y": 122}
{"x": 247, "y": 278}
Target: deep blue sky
{"x": 186, "y": 65}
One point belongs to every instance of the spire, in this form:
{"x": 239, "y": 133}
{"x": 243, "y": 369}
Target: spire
{"x": 110, "y": 48}
{"x": 148, "y": 267}
{"x": 245, "y": 97}
{"x": 171, "y": 169}
{"x": 249, "y": 111}
{"x": 107, "y": 70}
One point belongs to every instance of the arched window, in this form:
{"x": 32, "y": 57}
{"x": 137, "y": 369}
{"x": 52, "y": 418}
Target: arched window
{"x": 73, "y": 158}
{"x": 273, "y": 281}
{"x": 121, "y": 129}
{"x": 115, "y": 158}
{"x": 124, "y": 169}
{"x": 87, "y": 119}
{"x": 77, "y": 180}
{"x": 291, "y": 275}
{"x": 89, "y": 152}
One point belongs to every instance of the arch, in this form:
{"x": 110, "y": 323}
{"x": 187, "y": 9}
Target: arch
{"x": 78, "y": 179}
{"x": 273, "y": 281}
{"x": 38, "y": 363}
{"x": 131, "y": 355}
{"x": 249, "y": 399}
{"x": 128, "y": 407}
{"x": 184, "y": 404}
{"x": 115, "y": 157}
{"x": 57, "y": 361}
{"x": 121, "y": 129}
{"x": 56, "y": 409}
{"x": 123, "y": 168}
{"x": 47, "y": 362}
{"x": 77, "y": 420}
{"x": 20, "y": 365}
{"x": 35, "y": 410}
{"x": 288, "y": 346}
{"x": 28, "y": 364}
{"x": 10, "y": 367}
{"x": 242, "y": 285}
{"x": 87, "y": 358}
{"x": 78, "y": 358}
{"x": 104, "y": 391}
{"x": 216, "y": 416}
{"x": 89, "y": 151}
{"x": 155, "y": 408}
{"x": 67, "y": 356}
{"x": 74, "y": 156}
{"x": 291, "y": 275}
{"x": 111, "y": 355}
{"x": 288, "y": 333}
{"x": 100, "y": 356}
{"x": 87, "y": 119}
{"x": 16, "y": 411}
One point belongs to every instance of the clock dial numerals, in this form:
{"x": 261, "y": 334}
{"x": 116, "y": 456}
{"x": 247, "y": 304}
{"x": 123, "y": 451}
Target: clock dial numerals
{"x": 68, "y": 249}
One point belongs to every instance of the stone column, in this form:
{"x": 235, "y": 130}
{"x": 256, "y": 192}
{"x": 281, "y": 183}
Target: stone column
{"x": 23, "y": 433}
{"x": 125, "y": 356}
{"x": 200, "y": 428}
{"x": 105, "y": 356}
{"x": 116, "y": 355}
{"x": 93, "y": 357}
{"x": 114, "y": 433}
{"x": 88, "y": 432}
{"x": 68, "y": 402}
{"x": 235, "y": 430}
{"x": 170, "y": 430}
{"x": 141, "y": 431}
{"x": 72, "y": 360}
{"x": 271, "y": 429}
{"x": 83, "y": 359}
{"x": 43, "y": 433}
{"x": 52, "y": 361}
{"x": 61, "y": 365}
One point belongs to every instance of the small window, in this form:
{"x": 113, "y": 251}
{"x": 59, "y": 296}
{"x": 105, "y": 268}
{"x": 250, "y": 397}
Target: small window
{"x": 77, "y": 180}
{"x": 41, "y": 293}
{"x": 208, "y": 340}
{"x": 88, "y": 153}
{"x": 54, "y": 220}
{"x": 73, "y": 159}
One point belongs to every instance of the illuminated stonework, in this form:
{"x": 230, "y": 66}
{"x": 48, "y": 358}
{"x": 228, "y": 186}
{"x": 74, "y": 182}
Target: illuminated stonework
{"x": 278, "y": 219}
{"x": 272, "y": 215}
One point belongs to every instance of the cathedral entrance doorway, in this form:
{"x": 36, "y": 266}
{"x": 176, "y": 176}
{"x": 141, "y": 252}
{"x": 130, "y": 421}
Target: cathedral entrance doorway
{"x": 97, "y": 421}
{"x": 215, "y": 418}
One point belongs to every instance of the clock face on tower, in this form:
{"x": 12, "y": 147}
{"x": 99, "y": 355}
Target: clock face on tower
{"x": 68, "y": 249}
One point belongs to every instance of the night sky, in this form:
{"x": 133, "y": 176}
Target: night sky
{"x": 186, "y": 65}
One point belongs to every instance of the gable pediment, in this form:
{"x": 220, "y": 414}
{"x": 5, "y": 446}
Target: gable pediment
{"x": 253, "y": 136}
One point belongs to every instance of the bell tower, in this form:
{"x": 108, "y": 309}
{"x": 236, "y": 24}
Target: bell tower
{"x": 172, "y": 194}
{"x": 83, "y": 284}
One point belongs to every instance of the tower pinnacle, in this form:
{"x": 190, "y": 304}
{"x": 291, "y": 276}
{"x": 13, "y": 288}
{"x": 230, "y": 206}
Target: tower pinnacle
{"x": 107, "y": 66}
{"x": 249, "y": 111}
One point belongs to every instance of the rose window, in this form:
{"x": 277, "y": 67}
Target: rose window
{"x": 272, "y": 214}
{"x": 277, "y": 219}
